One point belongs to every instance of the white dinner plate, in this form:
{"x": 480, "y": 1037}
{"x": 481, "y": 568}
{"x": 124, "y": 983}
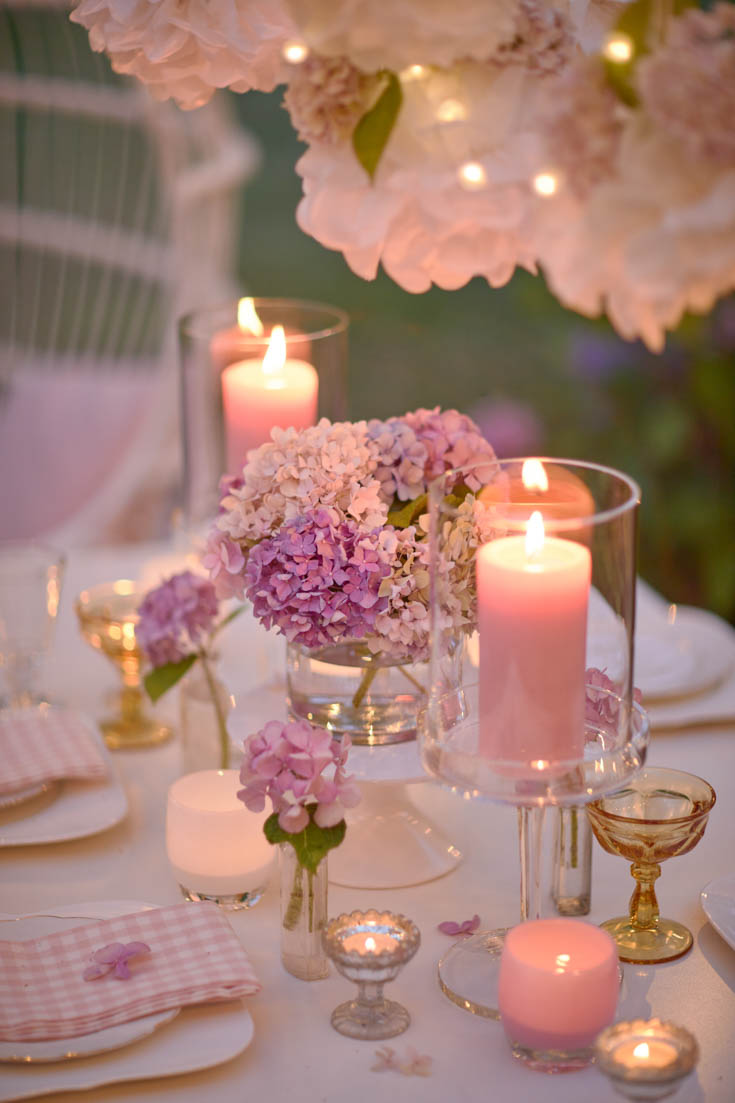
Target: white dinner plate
{"x": 718, "y": 903}
{"x": 690, "y": 655}
{"x": 197, "y": 1038}
{"x": 27, "y": 793}
{"x": 76, "y": 809}
{"x": 85, "y": 1045}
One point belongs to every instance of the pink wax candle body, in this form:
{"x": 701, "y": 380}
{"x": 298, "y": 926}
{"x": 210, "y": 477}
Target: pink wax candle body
{"x": 231, "y": 345}
{"x": 532, "y": 620}
{"x": 260, "y": 394}
{"x": 558, "y": 985}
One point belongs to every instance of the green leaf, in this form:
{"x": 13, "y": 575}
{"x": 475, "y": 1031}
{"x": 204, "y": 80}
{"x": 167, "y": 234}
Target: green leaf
{"x": 311, "y": 844}
{"x": 402, "y": 514}
{"x": 158, "y": 681}
{"x": 372, "y": 132}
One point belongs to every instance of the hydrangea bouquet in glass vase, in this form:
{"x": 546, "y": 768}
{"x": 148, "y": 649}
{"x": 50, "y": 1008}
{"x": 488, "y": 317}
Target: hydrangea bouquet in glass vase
{"x": 325, "y": 531}
{"x": 301, "y": 769}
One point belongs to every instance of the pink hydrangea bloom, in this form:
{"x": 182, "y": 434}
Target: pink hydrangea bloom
{"x": 176, "y": 617}
{"x": 301, "y": 769}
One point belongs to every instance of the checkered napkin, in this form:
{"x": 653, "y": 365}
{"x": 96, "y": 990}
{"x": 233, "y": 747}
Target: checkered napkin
{"x": 195, "y": 957}
{"x": 44, "y": 745}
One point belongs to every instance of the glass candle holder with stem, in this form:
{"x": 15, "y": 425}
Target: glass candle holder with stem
{"x": 532, "y": 605}
{"x": 108, "y": 614}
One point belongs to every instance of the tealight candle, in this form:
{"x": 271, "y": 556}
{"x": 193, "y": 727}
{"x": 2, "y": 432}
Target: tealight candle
{"x": 216, "y": 847}
{"x": 646, "y": 1059}
{"x": 558, "y": 988}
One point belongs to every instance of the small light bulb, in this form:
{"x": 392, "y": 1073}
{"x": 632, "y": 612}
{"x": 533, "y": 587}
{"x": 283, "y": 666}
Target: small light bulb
{"x": 545, "y": 183}
{"x": 413, "y": 72}
{"x": 618, "y": 47}
{"x": 295, "y": 52}
{"x": 451, "y": 111}
{"x": 472, "y": 175}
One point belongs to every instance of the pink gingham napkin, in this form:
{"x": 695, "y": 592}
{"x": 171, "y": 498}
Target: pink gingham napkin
{"x": 195, "y": 957}
{"x": 45, "y": 745}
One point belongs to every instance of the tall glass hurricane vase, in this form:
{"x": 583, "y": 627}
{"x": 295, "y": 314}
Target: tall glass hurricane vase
{"x": 237, "y": 382}
{"x": 533, "y": 572}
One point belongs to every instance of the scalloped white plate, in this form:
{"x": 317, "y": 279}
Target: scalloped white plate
{"x": 198, "y": 1038}
{"x": 84, "y": 1045}
{"x": 718, "y": 903}
{"x": 77, "y": 809}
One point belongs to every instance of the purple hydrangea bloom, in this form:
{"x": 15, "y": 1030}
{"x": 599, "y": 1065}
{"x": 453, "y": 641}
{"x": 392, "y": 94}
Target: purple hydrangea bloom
{"x": 451, "y": 440}
{"x": 175, "y": 617}
{"x": 317, "y": 579}
{"x": 402, "y": 458}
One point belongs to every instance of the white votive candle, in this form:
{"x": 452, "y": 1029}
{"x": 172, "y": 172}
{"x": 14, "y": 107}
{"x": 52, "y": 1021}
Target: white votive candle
{"x": 215, "y": 845}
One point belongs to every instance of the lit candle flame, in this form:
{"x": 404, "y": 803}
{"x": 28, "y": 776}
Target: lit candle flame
{"x": 413, "y": 72}
{"x": 370, "y": 943}
{"x": 275, "y": 356}
{"x": 247, "y": 317}
{"x": 534, "y": 476}
{"x": 451, "y": 111}
{"x": 642, "y": 1051}
{"x": 534, "y": 534}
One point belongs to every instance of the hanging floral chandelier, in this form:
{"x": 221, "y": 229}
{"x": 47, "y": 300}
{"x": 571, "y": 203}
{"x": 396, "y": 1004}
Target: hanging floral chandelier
{"x": 588, "y": 138}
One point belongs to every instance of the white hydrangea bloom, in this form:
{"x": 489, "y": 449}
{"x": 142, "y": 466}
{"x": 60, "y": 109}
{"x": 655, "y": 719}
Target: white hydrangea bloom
{"x": 394, "y": 34}
{"x": 653, "y": 241}
{"x": 330, "y": 466}
{"x": 185, "y": 48}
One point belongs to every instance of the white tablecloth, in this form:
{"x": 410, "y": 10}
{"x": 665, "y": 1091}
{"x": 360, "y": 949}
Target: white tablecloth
{"x": 295, "y": 1054}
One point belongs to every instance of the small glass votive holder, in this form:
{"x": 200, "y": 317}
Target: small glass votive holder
{"x": 646, "y": 1059}
{"x": 558, "y": 988}
{"x": 370, "y": 948}
{"x": 215, "y": 846}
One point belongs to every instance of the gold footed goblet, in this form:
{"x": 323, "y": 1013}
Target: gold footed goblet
{"x": 108, "y": 614}
{"x": 660, "y": 814}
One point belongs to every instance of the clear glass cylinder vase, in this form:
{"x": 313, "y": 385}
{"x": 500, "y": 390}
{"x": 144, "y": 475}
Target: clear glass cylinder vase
{"x": 203, "y": 744}
{"x": 303, "y": 915}
{"x": 349, "y": 690}
{"x": 231, "y": 398}
{"x": 572, "y": 872}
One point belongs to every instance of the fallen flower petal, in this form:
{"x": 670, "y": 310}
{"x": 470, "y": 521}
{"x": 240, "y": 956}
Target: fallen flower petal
{"x": 468, "y": 927}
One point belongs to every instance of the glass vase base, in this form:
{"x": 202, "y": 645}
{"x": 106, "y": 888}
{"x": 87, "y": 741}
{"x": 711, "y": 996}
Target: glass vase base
{"x": 305, "y": 968}
{"x": 370, "y": 1021}
{"x": 573, "y": 905}
{"x": 121, "y": 736}
{"x": 468, "y": 973}
{"x": 668, "y": 941}
{"x": 389, "y": 844}
{"x": 231, "y": 902}
{"x": 553, "y": 1060}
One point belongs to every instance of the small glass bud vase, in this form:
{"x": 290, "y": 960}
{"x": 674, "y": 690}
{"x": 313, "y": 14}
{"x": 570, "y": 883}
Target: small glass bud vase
{"x": 203, "y": 745}
{"x": 572, "y": 887}
{"x": 303, "y": 916}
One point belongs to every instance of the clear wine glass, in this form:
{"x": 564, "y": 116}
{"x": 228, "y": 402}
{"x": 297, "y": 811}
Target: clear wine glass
{"x": 31, "y": 574}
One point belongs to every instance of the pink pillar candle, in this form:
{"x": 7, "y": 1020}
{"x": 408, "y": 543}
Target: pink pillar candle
{"x": 532, "y": 619}
{"x": 558, "y": 985}
{"x": 260, "y": 394}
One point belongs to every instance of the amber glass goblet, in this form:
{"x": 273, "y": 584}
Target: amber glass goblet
{"x": 108, "y": 614}
{"x": 660, "y": 814}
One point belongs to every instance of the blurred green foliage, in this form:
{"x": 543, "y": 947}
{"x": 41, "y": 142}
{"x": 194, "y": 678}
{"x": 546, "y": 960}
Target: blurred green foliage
{"x": 667, "y": 420}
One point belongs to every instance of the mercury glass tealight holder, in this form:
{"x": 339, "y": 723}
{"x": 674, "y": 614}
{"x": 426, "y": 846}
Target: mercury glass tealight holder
{"x": 370, "y": 948}
{"x": 646, "y": 1060}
